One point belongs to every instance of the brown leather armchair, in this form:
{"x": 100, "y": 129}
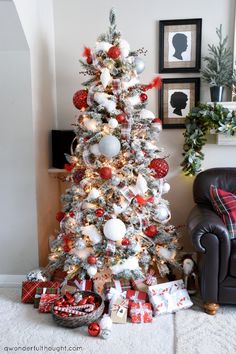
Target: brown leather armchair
{"x": 217, "y": 252}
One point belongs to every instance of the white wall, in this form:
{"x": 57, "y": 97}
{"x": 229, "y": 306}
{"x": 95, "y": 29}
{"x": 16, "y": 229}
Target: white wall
{"x": 78, "y": 23}
{"x": 37, "y": 20}
{"x": 18, "y": 235}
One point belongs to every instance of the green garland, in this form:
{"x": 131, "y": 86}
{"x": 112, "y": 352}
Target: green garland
{"x": 199, "y": 122}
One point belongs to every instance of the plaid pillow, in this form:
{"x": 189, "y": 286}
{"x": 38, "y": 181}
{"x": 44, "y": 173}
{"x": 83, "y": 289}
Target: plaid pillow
{"x": 224, "y": 203}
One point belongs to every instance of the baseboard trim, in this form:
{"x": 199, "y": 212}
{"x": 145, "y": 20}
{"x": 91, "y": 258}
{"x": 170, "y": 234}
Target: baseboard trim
{"x": 11, "y": 281}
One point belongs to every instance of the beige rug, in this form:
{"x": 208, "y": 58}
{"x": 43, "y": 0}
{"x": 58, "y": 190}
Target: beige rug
{"x": 198, "y": 333}
{"x": 21, "y": 326}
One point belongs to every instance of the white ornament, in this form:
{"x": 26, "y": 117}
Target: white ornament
{"x": 92, "y": 232}
{"x": 124, "y": 48}
{"x": 110, "y": 106}
{"x": 114, "y": 229}
{"x": 92, "y": 270}
{"x": 106, "y": 322}
{"x": 165, "y": 188}
{"x": 115, "y": 180}
{"x": 104, "y": 46}
{"x": 90, "y": 124}
{"x": 162, "y": 213}
{"x": 93, "y": 194}
{"x": 109, "y": 146}
{"x": 130, "y": 263}
{"x": 94, "y": 149}
{"x": 139, "y": 65}
{"x": 105, "y": 77}
{"x": 113, "y": 123}
{"x": 146, "y": 114}
{"x": 141, "y": 186}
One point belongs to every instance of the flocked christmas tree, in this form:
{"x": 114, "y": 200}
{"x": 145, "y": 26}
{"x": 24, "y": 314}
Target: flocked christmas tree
{"x": 114, "y": 215}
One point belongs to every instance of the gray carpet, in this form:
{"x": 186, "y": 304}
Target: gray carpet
{"x": 187, "y": 332}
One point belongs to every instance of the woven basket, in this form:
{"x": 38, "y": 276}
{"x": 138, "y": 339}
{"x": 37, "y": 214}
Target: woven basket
{"x": 73, "y": 322}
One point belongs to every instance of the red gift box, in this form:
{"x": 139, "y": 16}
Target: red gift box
{"x": 141, "y": 312}
{"x": 136, "y": 296}
{"x": 47, "y": 301}
{"x": 29, "y": 289}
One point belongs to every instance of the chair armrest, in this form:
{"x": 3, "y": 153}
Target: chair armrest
{"x": 203, "y": 221}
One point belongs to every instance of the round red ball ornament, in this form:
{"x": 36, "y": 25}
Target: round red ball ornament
{"x": 151, "y": 231}
{"x": 105, "y": 172}
{"x": 121, "y": 118}
{"x": 92, "y": 260}
{"x": 157, "y": 120}
{"x": 94, "y": 329}
{"x": 80, "y": 99}
{"x": 99, "y": 212}
{"x": 143, "y": 97}
{"x": 125, "y": 242}
{"x": 114, "y": 52}
{"x": 60, "y": 215}
{"x": 160, "y": 166}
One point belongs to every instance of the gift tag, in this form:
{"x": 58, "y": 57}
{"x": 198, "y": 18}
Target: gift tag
{"x": 119, "y": 310}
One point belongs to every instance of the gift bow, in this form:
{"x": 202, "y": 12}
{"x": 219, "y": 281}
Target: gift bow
{"x": 80, "y": 285}
{"x": 135, "y": 297}
{"x": 115, "y": 293}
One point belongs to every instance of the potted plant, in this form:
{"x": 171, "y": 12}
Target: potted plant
{"x": 219, "y": 70}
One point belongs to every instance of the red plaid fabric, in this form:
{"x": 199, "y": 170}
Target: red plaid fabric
{"x": 29, "y": 289}
{"x": 224, "y": 203}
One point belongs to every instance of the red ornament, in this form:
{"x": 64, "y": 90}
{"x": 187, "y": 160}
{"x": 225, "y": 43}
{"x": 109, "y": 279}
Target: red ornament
{"x": 114, "y": 52}
{"x": 99, "y": 212}
{"x": 151, "y": 231}
{"x": 125, "y": 242}
{"x": 94, "y": 329}
{"x": 90, "y": 299}
{"x": 143, "y": 97}
{"x": 80, "y": 99}
{"x": 83, "y": 301}
{"x": 92, "y": 260}
{"x": 72, "y": 214}
{"x": 121, "y": 118}
{"x": 105, "y": 172}
{"x": 160, "y": 166}
{"x": 60, "y": 215}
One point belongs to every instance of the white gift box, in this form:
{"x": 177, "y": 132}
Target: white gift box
{"x": 169, "y": 297}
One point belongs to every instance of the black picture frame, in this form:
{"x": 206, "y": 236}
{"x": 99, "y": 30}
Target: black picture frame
{"x": 176, "y": 98}
{"x": 174, "y": 35}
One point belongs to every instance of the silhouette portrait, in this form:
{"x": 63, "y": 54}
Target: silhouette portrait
{"x": 178, "y": 101}
{"x": 180, "y": 44}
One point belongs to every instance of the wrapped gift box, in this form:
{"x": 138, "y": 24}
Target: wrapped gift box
{"x": 169, "y": 297}
{"x": 143, "y": 283}
{"x": 136, "y": 296}
{"x": 81, "y": 285}
{"x": 141, "y": 312}
{"x": 119, "y": 310}
{"x": 42, "y": 291}
{"x": 120, "y": 285}
{"x": 47, "y": 301}
{"x": 29, "y": 289}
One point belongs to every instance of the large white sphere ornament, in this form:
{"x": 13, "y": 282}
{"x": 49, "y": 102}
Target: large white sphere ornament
{"x": 105, "y": 77}
{"x": 146, "y": 114}
{"x": 109, "y": 146}
{"x": 114, "y": 229}
{"x": 139, "y": 65}
{"x": 165, "y": 188}
{"x": 162, "y": 213}
{"x": 124, "y": 48}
